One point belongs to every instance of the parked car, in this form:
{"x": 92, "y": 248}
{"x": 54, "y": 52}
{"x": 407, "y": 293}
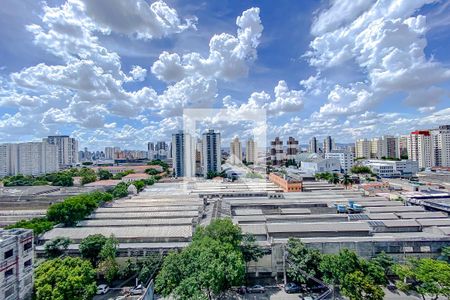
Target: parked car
{"x": 292, "y": 288}
{"x": 318, "y": 288}
{"x": 102, "y": 289}
{"x": 137, "y": 290}
{"x": 307, "y": 298}
{"x": 256, "y": 289}
{"x": 242, "y": 290}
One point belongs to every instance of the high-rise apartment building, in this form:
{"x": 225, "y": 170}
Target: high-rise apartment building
{"x": 440, "y": 144}
{"x": 292, "y": 148}
{"x": 150, "y": 150}
{"x": 33, "y": 158}
{"x": 183, "y": 148}
{"x": 328, "y": 144}
{"x": 251, "y": 151}
{"x": 16, "y": 270}
{"x": 389, "y": 146}
{"x": 402, "y": 146}
{"x": 161, "y": 150}
{"x": 376, "y": 148}
{"x": 313, "y": 146}
{"x": 276, "y": 151}
{"x": 211, "y": 152}
{"x": 67, "y": 149}
{"x": 109, "y": 152}
{"x": 346, "y": 158}
{"x": 235, "y": 152}
{"x": 419, "y": 148}
{"x": 362, "y": 148}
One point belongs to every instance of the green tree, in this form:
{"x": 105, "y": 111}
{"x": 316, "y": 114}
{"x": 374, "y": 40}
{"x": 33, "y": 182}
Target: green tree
{"x": 346, "y": 180}
{"x": 426, "y": 276}
{"x": 361, "y": 170}
{"x": 61, "y": 179}
{"x": 68, "y": 278}
{"x": 56, "y": 247}
{"x": 91, "y": 246}
{"x": 210, "y": 265}
{"x": 139, "y": 184}
{"x": 152, "y": 171}
{"x": 445, "y": 254}
{"x": 104, "y": 174}
{"x": 385, "y": 262}
{"x": 357, "y": 286}
{"x": 88, "y": 178}
{"x": 303, "y": 262}
{"x": 38, "y": 225}
{"x": 249, "y": 248}
{"x": 120, "y": 190}
{"x": 334, "y": 178}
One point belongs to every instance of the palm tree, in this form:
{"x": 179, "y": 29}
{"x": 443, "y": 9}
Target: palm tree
{"x": 334, "y": 178}
{"x": 346, "y": 180}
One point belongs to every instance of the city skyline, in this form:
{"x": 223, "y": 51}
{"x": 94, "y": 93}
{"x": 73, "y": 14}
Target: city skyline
{"x": 139, "y": 77}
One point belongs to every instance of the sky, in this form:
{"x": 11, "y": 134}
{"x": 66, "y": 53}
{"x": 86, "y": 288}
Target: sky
{"x": 122, "y": 72}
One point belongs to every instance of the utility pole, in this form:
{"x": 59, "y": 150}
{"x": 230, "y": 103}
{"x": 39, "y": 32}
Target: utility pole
{"x": 284, "y": 265}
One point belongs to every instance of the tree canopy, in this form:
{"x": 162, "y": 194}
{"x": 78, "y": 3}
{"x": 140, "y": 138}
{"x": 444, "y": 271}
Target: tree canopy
{"x": 68, "y": 278}
{"x": 56, "y": 247}
{"x": 303, "y": 262}
{"x": 426, "y": 276}
{"x": 210, "y": 265}
{"x": 358, "y": 279}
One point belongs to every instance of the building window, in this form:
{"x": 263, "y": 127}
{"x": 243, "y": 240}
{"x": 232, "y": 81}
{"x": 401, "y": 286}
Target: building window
{"x": 9, "y": 292}
{"x": 27, "y": 264}
{"x": 9, "y": 273}
{"x": 27, "y": 246}
{"x": 9, "y": 253}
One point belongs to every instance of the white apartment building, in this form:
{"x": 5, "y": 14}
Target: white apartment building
{"x": 346, "y": 159}
{"x": 440, "y": 144}
{"x": 419, "y": 148}
{"x": 211, "y": 152}
{"x": 16, "y": 268}
{"x": 33, "y": 158}
{"x": 67, "y": 149}
{"x": 362, "y": 148}
{"x": 235, "y": 152}
{"x": 376, "y": 148}
{"x": 109, "y": 152}
{"x": 183, "y": 147}
{"x": 391, "y": 168}
{"x": 251, "y": 151}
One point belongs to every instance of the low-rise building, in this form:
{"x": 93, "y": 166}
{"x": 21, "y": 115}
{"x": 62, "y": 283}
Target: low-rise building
{"x": 313, "y": 163}
{"x": 16, "y": 268}
{"x": 285, "y": 182}
{"x": 392, "y": 168}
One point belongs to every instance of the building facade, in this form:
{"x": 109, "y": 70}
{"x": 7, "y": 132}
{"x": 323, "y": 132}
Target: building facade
{"x": 183, "y": 156}
{"x": 150, "y": 150}
{"x": 33, "y": 158}
{"x": 251, "y": 151}
{"x": 16, "y": 270}
{"x": 362, "y": 148}
{"x": 211, "y": 152}
{"x": 313, "y": 146}
{"x": 235, "y": 152}
{"x": 346, "y": 159}
{"x": 276, "y": 151}
{"x": 292, "y": 148}
{"x": 67, "y": 149}
{"x": 392, "y": 168}
{"x": 440, "y": 144}
{"x": 328, "y": 144}
{"x": 161, "y": 150}
{"x": 419, "y": 148}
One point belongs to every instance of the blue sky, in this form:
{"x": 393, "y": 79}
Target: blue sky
{"x": 116, "y": 72}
